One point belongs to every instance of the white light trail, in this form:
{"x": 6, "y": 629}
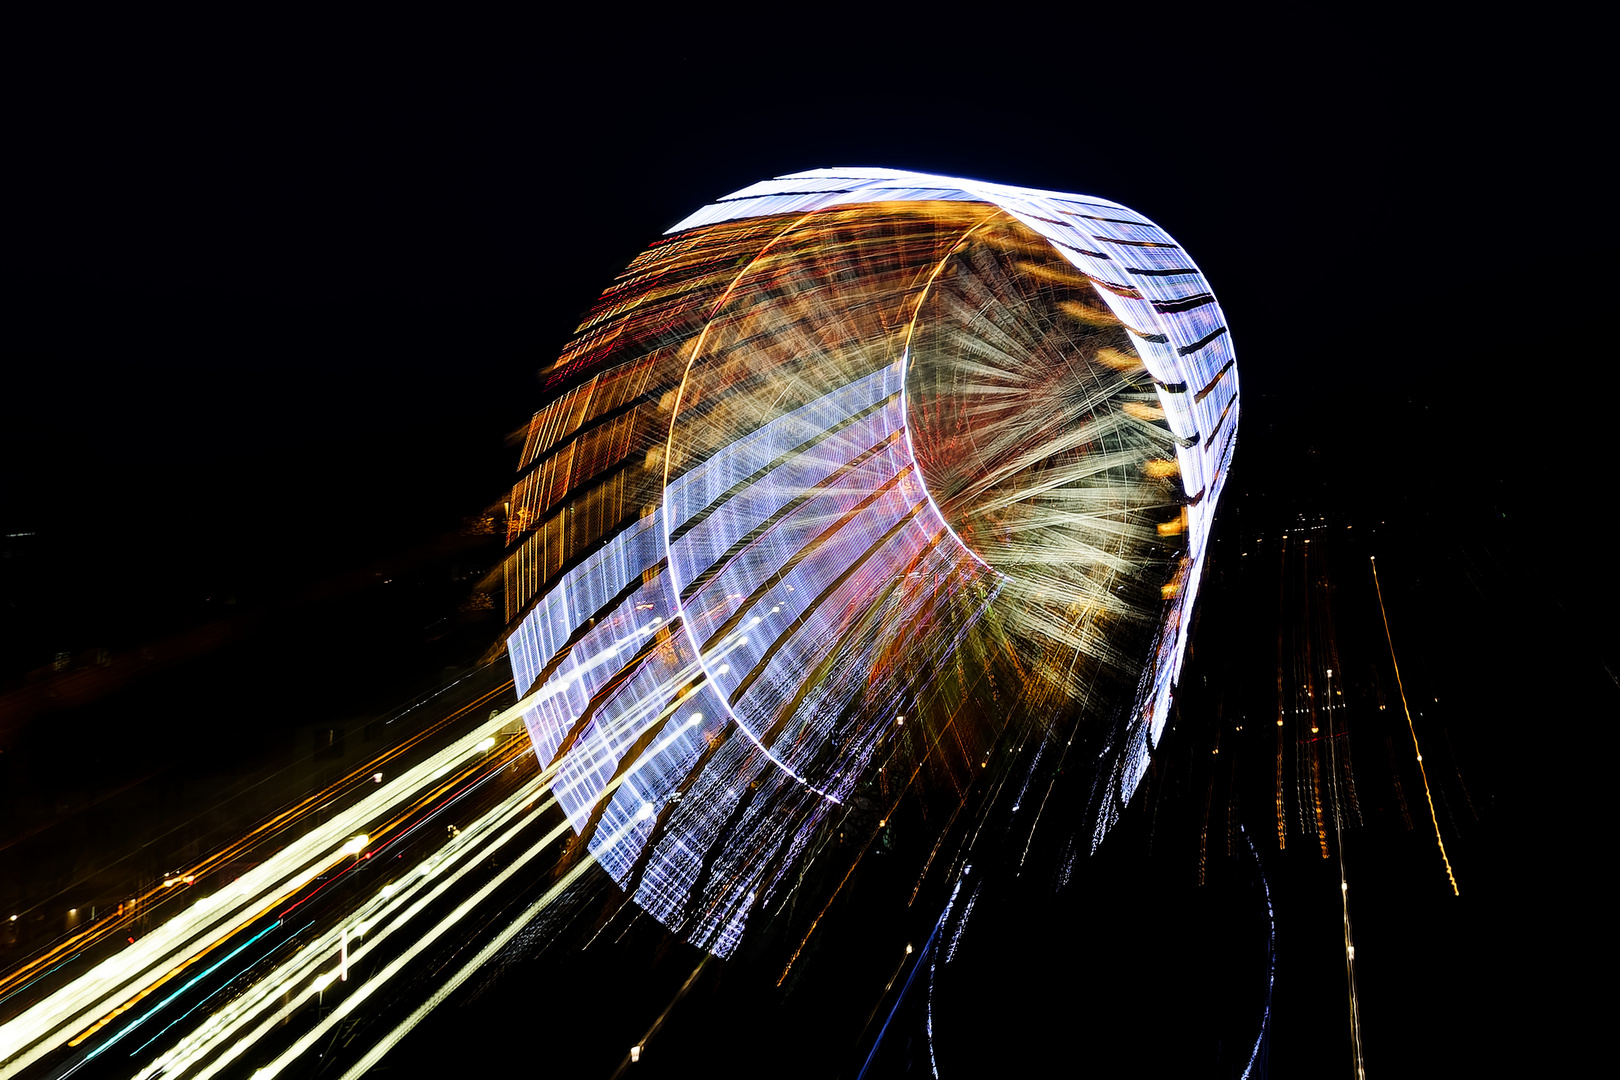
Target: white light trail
{"x": 233, "y": 1030}
{"x": 122, "y": 981}
{"x": 399, "y": 902}
{"x": 499, "y": 942}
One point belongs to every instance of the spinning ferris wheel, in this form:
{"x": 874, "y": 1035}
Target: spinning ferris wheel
{"x": 852, "y": 466}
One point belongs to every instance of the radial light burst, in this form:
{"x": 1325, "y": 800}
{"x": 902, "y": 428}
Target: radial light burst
{"x": 856, "y": 463}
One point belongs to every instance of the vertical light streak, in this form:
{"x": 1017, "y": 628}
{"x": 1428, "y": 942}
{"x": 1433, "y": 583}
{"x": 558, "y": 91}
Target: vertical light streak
{"x": 1350, "y": 976}
{"x": 1344, "y": 903}
{"x": 1416, "y": 749}
{"x": 1282, "y": 583}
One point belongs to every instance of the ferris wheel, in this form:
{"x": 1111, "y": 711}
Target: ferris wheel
{"x": 847, "y": 475}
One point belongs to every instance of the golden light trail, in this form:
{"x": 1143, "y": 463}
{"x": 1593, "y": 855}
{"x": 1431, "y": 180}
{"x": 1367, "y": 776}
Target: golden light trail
{"x": 1418, "y": 750}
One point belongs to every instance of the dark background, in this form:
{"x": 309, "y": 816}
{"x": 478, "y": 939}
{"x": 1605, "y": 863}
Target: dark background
{"x": 276, "y": 291}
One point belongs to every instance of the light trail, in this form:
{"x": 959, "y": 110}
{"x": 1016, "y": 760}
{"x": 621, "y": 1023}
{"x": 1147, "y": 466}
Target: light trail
{"x": 1282, "y": 585}
{"x": 1271, "y": 956}
{"x": 499, "y": 942}
{"x": 927, "y": 950}
{"x": 98, "y": 997}
{"x": 1418, "y": 750}
{"x": 1050, "y": 784}
{"x": 895, "y": 805}
{"x": 133, "y": 975}
{"x": 635, "y": 1053}
{"x": 358, "y": 997}
{"x": 403, "y": 902}
{"x": 1344, "y": 903}
{"x": 228, "y": 1030}
{"x": 73, "y": 947}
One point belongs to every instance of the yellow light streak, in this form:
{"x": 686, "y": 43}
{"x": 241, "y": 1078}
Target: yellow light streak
{"x": 1418, "y": 750}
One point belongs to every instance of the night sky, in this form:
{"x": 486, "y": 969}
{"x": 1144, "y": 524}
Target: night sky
{"x": 242, "y": 241}
{"x": 277, "y": 292}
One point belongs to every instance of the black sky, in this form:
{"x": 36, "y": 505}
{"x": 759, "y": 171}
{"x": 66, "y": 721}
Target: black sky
{"x": 286, "y": 227}
{"x": 277, "y": 289}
